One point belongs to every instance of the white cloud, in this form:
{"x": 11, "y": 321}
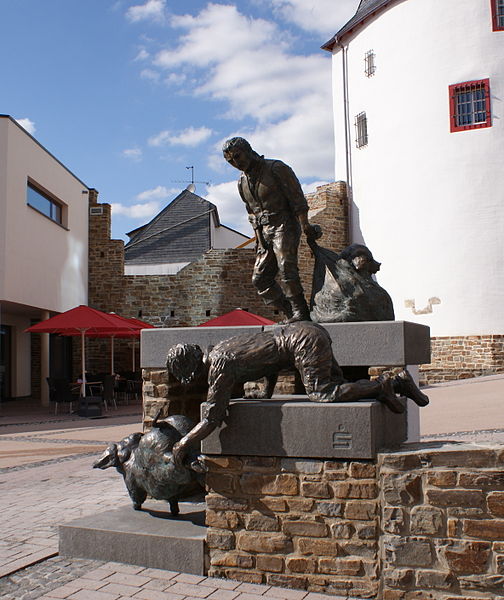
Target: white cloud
{"x": 160, "y": 192}
{"x": 142, "y": 55}
{"x": 160, "y": 139}
{"x": 175, "y": 79}
{"x": 27, "y": 124}
{"x": 134, "y": 154}
{"x": 150, "y": 75}
{"x": 308, "y": 188}
{"x": 247, "y": 64}
{"x": 321, "y": 16}
{"x": 152, "y": 10}
{"x": 189, "y": 137}
{"x": 230, "y": 206}
{"x": 137, "y": 211}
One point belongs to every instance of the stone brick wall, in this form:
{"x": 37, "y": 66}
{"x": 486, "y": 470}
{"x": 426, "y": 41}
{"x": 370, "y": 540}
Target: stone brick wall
{"x": 464, "y": 357}
{"x": 426, "y": 524}
{"x": 442, "y": 515}
{"x": 306, "y": 524}
{"x": 329, "y": 209}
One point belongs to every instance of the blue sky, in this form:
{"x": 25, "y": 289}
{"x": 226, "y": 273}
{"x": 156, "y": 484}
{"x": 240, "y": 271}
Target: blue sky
{"x": 128, "y": 94}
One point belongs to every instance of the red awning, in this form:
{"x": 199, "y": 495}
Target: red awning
{"x": 235, "y": 318}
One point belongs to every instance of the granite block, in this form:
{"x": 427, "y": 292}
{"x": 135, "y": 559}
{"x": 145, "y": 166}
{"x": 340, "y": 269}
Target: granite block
{"x": 149, "y": 538}
{"x": 373, "y": 343}
{"x": 294, "y": 427}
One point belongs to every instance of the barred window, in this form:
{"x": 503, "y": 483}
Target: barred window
{"x": 470, "y": 105}
{"x": 498, "y": 15}
{"x": 361, "y": 130}
{"x": 369, "y": 63}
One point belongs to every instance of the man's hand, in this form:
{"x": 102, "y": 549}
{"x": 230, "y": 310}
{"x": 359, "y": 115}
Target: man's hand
{"x": 312, "y": 232}
{"x": 179, "y": 453}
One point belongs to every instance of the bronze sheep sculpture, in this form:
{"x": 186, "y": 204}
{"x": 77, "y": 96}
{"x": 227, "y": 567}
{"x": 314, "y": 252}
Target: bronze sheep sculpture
{"x": 145, "y": 461}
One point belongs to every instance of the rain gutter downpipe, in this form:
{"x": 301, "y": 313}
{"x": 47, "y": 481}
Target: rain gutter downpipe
{"x": 348, "y": 150}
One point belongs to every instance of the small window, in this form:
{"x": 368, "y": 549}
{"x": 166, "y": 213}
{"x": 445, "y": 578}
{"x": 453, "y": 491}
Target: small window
{"x": 369, "y": 63}
{"x": 361, "y": 130}
{"x": 497, "y": 15}
{"x": 43, "y": 203}
{"x": 470, "y": 105}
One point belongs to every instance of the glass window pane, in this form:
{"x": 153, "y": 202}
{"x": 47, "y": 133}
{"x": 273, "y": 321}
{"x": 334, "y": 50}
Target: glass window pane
{"x": 39, "y": 202}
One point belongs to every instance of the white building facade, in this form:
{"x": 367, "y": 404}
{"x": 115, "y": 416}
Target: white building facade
{"x": 43, "y": 251}
{"x": 418, "y": 91}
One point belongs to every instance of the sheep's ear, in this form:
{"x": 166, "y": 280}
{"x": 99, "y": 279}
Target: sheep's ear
{"x": 124, "y": 453}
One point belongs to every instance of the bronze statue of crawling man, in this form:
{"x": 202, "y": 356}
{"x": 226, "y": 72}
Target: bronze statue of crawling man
{"x": 302, "y": 345}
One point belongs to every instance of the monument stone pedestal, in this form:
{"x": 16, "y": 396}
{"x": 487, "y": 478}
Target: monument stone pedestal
{"x": 293, "y": 494}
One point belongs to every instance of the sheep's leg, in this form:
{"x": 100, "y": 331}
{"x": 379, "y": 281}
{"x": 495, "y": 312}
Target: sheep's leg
{"x": 174, "y": 507}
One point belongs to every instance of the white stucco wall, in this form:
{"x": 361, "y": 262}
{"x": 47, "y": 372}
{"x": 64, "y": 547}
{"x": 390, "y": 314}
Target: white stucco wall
{"x": 3, "y": 192}
{"x": 223, "y": 237}
{"x": 44, "y": 264}
{"x": 427, "y": 202}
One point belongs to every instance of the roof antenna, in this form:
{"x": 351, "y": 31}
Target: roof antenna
{"x": 192, "y": 187}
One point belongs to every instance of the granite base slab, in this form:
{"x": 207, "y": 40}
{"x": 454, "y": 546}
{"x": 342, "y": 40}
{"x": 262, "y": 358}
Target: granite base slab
{"x": 292, "y": 426}
{"x": 148, "y": 538}
{"x": 370, "y": 343}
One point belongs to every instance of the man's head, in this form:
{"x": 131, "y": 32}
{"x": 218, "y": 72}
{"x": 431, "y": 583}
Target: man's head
{"x": 185, "y": 362}
{"x": 238, "y": 152}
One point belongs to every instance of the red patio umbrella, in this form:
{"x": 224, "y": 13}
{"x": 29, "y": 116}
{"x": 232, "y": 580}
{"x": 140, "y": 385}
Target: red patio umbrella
{"x": 83, "y": 320}
{"x": 237, "y": 317}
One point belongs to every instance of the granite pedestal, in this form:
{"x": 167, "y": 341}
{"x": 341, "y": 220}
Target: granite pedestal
{"x": 372, "y": 343}
{"x": 149, "y": 538}
{"x": 292, "y": 426}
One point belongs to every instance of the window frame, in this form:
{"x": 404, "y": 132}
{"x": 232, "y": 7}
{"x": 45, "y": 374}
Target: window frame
{"x": 496, "y": 26}
{"x": 457, "y": 88}
{"x": 369, "y": 63}
{"x": 361, "y": 130}
{"x": 56, "y": 212}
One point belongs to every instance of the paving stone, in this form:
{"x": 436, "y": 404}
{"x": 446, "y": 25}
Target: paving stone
{"x": 189, "y": 589}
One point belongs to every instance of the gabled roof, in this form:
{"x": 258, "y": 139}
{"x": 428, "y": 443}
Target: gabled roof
{"x": 366, "y": 9}
{"x": 179, "y": 233}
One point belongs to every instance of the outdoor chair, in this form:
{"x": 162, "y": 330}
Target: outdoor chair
{"x": 61, "y": 393}
{"x": 108, "y": 392}
{"x": 122, "y": 390}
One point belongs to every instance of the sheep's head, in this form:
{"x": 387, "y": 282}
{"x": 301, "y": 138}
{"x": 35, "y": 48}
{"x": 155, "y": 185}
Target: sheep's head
{"x": 117, "y": 454}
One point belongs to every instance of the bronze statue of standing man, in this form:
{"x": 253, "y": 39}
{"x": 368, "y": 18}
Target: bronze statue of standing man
{"x": 277, "y": 211}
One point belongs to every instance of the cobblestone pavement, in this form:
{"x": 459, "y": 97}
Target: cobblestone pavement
{"x": 36, "y": 497}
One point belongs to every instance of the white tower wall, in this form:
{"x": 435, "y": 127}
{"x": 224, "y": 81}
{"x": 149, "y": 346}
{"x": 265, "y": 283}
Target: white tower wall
{"x": 428, "y": 203}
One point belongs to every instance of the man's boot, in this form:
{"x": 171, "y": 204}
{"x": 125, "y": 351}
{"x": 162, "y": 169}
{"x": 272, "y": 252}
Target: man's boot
{"x": 300, "y": 310}
{"x": 405, "y": 386}
{"x": 387, "y": 395}
{"x": 284, "y": 306}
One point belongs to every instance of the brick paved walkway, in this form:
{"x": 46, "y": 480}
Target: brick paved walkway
{"x": 47, "y": 480}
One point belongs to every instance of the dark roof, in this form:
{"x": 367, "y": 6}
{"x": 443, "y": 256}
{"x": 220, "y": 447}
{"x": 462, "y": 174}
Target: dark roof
{"x": 366, "y": 8}
{"x": 179, "y": 233}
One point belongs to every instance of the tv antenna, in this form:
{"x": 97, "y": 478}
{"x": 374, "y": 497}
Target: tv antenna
{"x": 191, "y": 187}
